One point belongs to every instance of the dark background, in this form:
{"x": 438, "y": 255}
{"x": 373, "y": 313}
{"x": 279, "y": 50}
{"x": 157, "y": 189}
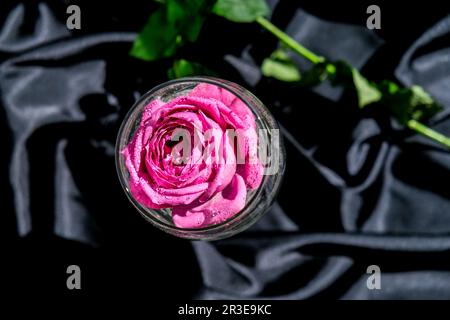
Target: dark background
{"x": 358, "y": 189}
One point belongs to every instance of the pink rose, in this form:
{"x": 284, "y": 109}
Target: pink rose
{"x": 212, "y": 185}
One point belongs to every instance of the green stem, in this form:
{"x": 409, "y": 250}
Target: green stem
{"x": 428, "y": 132}
{"x": 288, "y": 41}
{"x": 311, "y": 56}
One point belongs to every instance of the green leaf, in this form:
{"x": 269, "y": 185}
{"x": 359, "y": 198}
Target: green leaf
{"x": 408, "y": 103}
{"x": 316, "y": 75}
{"x": 388, "y": 87}
{"x": 184, "y": 68}
{"x": 169, "y": 27}
{"x": 280, "y": 70}
{"x": 423, "y": 105}
{"x": 241, "y": 10}
{"x": 367, "y": 92}
{"x": 158, "y": 39}
{"x": 342, "y": 73}
{"x": 280, "y": 66}
{"x": 188, "y": 16}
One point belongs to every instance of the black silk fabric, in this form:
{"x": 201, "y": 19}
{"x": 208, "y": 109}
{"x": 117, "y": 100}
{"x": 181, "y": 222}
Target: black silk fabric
{"x": 359, "y": 189}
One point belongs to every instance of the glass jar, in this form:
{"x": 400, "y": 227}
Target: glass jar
{"x": 257, "y": 200}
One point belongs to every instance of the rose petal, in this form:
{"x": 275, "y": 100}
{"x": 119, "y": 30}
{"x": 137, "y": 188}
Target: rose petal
{"x": 171, "y": 197}
{"x": 189, "y": 117}
{"x": 231, "y": 118}
{"x": 225, "y": 168}
{"x": 142, "y": 198}
{"x": 251, "y": 173}
{"x": 206, "y": 90}
{"x": 187, "y": 103}
{"x": 219, "y": 208}
{"x": 133, "y": 151}
{"x": 180, "y": 192}
{"x": 157, "y": 198}
{"x": 193, "y": 220}
{"x": 150, "y": 109}
{"x": 251, "y": 169}
{"x": 135, "y": 184}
